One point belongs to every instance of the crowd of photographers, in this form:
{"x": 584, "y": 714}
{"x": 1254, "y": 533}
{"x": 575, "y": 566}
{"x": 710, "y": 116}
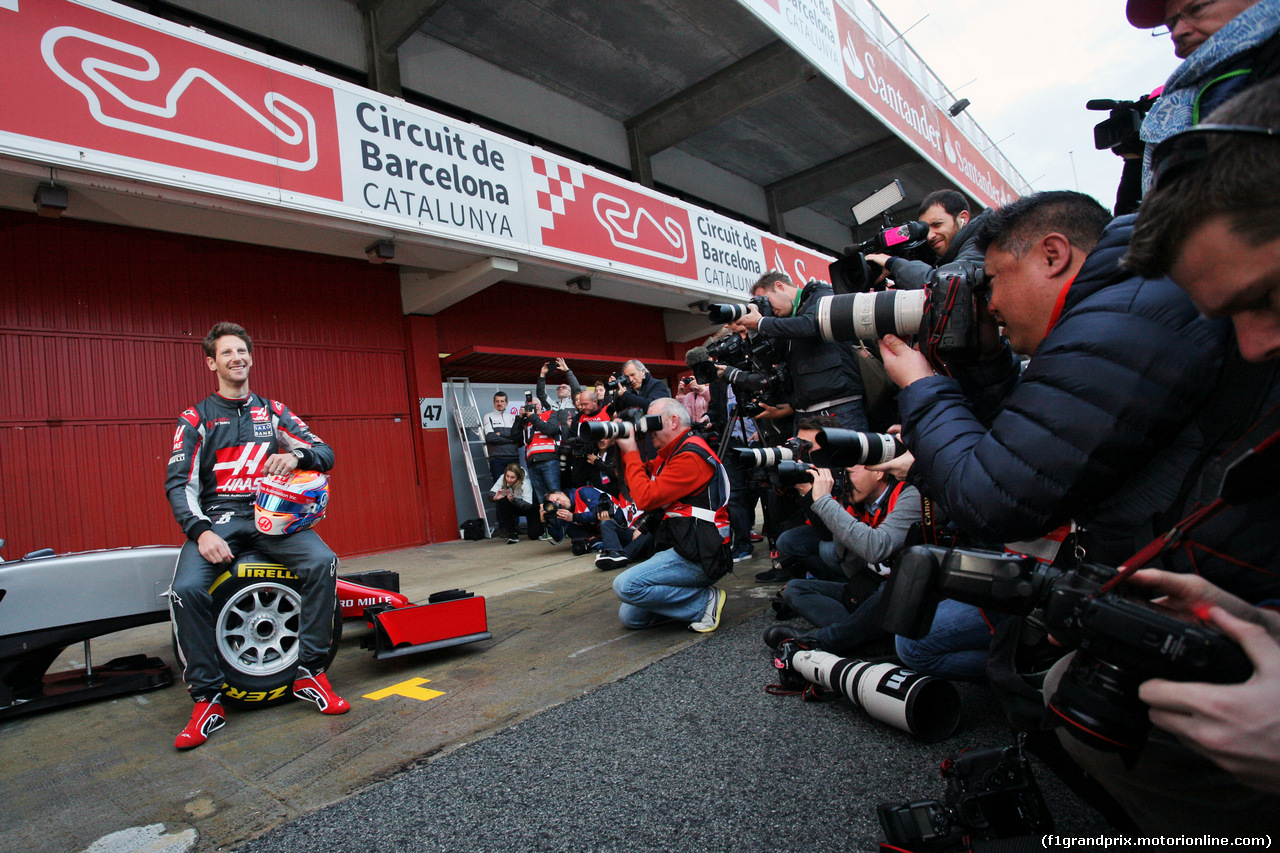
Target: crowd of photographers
{"x": 964, "y": 455}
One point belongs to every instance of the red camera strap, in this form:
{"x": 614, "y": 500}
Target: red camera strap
{"x": 1261, "y": 437}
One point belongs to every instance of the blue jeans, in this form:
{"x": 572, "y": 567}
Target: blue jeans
{"x": 664, "y": 588}
{"x": 956, "y": 646}
{"x": 840, "y": 630}
{"x": 851, "y": 415}
{"x": 816, "y": 557}
{"x": 544, "y": 475}
{"x": 614, "y": 535}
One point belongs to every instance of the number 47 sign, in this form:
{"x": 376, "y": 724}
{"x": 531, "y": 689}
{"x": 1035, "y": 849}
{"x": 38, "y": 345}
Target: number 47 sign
{"x": 432, "y": 411}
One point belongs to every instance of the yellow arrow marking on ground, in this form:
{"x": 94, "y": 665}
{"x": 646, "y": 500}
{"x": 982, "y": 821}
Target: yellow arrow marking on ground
{"x": 412, "y": 688}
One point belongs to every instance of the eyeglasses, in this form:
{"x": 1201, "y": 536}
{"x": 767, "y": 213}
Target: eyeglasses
{"x": 1186, "y": 151}
{"x": 1192, "y": 13}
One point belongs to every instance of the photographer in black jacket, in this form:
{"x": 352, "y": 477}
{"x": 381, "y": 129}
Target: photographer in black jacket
{"x": 642, "y": 387}
{"x": 825, "y": 378}
{"x": 952, "y": 229}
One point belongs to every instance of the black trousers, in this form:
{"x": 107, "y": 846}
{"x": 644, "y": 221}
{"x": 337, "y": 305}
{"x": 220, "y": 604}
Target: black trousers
{"x": 191, "y": 605}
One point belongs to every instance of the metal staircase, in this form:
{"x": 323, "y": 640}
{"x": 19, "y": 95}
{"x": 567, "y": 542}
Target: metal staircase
{"x": 466, "y": 423}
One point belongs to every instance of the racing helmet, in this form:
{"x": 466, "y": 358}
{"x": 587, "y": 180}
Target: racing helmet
{"x": 287, "y": 503}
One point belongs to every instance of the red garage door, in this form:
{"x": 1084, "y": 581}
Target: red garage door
{"x": 100, "y": 330}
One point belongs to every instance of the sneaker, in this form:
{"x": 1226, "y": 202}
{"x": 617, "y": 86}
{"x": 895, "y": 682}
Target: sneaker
{"x": 595, "y": 545}
{"x": 315, "y": 688}
{"x": 206, "y": 719}
{"x": 611, "y": 560}
{"x": 774, "y": 576}
{"x": 512, "y": 540}
{"x": 711, "y": 616}
{"x": 545, "y": 537}
{"x": 742, "y": 555}
{"x": 756, "y": 537}
{"x": 579, "y": 547}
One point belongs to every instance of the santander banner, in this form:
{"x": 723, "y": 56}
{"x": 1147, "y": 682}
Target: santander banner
{"x": 829, "y": 36}
{"x": 91, "y": 86}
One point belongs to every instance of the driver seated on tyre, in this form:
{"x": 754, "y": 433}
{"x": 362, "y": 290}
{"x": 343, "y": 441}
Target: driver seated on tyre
{"x": 225, "y": 446}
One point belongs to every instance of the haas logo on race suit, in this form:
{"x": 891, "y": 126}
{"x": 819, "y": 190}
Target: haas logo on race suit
{"x": 239, "y": 469}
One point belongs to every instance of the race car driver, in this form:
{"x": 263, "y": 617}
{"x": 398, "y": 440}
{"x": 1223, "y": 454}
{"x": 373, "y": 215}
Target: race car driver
{"x": 225, "y": 445}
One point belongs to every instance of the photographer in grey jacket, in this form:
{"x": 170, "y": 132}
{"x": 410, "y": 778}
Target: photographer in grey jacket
{"x": 868, "y": 532}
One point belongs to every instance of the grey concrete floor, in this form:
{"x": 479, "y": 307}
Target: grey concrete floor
{"x": 105, "y": 776}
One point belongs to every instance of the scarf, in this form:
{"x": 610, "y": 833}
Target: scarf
{"x": 1173, "y": 112}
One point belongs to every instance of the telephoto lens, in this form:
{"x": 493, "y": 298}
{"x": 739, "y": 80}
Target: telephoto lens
{"x": 842, "y": 448}
{"x": 863, "y": 316}
{"x": 761, "y": 457}
{"x": 922, "y": 705}
{"x": 793, "y": 473}
{"x": 726, "y": 313}
{"x": 649, "y": 423}
{"x": 597, "y": 430}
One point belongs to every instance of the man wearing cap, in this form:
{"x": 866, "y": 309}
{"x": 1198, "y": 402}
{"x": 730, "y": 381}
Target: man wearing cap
{"x": 1226, "y": 45}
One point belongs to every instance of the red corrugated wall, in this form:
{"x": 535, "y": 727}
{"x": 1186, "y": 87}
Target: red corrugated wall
{"x": 99, "y": 335}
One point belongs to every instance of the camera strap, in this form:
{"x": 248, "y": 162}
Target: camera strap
{"x": 1245, "y": 472}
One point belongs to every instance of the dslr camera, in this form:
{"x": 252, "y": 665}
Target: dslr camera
{"x": 732, "y": 313}
{"x": 944, "y": 314}
{"x": 1120, "y": 642}
{"x": 786, "y": 465}
{"x": 757, "y": 356}
{"x": 991, "y": 795}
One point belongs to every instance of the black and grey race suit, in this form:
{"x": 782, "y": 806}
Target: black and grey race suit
{"x": 219, "y": 452}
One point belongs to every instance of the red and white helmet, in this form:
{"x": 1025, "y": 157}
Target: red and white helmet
{"x": 287, "y": 503}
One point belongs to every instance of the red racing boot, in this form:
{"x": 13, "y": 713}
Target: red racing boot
{"x": 315, "y": 688}
{"x": 206, "y": 719}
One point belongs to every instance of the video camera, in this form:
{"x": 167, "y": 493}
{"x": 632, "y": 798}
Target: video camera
{"x": 1120, "y": 132}
{"x": 755, "y": 355}
{"x": 852, "y": 272}
{"x": 944, "y": 314}
{"x": 1120, "y": 641}
{"x": 991, "y": 795}
{"x": 597, "y": 430}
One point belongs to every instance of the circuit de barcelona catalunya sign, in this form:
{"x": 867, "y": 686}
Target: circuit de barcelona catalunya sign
{"x": 97, "y": 87}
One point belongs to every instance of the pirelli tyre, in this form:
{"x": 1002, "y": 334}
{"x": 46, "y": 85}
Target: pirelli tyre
{"x": 257, "y": 614}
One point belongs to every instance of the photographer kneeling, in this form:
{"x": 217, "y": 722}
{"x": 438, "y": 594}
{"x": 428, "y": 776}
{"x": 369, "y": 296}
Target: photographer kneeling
{"x": 869, "y": 529}
{"x": 687, "y": 483}
{"x": 592, "y": 521}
